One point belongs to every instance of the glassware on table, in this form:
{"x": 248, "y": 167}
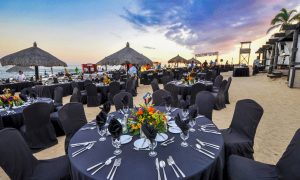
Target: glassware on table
{"x": 126, "y": 109}
{"x": 152, "y": 146}
{"x": 192, "y": 123}
{"x": 124, "y": 124}
{"x": 184, "y": 137}
{"x": 168, "y": 108}
{"x": 102, "y": 133}
{"x": 185, "y": 113}
{"x": 117, "y": 144}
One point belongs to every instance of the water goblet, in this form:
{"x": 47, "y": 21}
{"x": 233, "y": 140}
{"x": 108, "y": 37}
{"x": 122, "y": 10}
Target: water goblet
{"x": 168, "y": 108}
{"x": 184, "y": 137}
{"x": 192, "y": 123}
{"x": 116, "y": 142}
{"x": 185, "y": 113}
{"x": 126, "y": 109}
{"x": 102, "y": 132}
{"x": 152, "y": 146}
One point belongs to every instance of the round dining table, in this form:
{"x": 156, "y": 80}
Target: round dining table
{"x": 186, "y": 89}
{"x": 14, "y": 117}
{"x": 137, "y": 164}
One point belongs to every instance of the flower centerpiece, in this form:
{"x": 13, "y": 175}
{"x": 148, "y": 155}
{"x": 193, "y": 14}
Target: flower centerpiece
{"x": 9, "y": 100}
{"x": 146, "y": 114}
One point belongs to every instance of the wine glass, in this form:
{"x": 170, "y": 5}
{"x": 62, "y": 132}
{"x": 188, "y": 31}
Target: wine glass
{"x": 185, "y": 113}
{"x": 126, "y": 109}
{"x": 184, "y": 137}
{"x": 168, "y": 108}
{"x": 192, "y": 123}
{"x": 102, "y": 132}
{"x": 152, "y": 146}
{"x": 116, "y": 142}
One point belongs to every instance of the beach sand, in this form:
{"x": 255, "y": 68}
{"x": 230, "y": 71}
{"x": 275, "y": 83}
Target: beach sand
{"x": 280, "y": 120}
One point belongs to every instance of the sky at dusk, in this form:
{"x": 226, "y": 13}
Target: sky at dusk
{"x": 81, "y": 31}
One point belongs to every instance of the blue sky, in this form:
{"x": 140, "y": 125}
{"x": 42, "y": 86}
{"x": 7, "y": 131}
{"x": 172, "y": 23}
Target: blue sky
{"x": 88, "y": 30}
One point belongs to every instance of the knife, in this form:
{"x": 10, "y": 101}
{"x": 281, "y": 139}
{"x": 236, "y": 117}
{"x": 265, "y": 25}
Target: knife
{"x": 202, "y": 152}
{"x": 157, "y": 168}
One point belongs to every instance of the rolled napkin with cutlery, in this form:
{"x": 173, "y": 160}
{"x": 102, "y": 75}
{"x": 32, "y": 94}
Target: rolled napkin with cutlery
{"x": 115, "y": 128}
{"x": 101, "y": 119}
{"x": 125, "y": 101}
{"x": 149, "y": 131}
{"x": 168, "y": 99}
{"x": 183, "y": 125}
{"x": 106, "y": 107}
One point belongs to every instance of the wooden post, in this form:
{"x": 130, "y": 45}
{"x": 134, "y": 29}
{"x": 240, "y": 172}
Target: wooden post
{"x": 36, "y": 68}
{"x": 276, "y": 55}
{"x": 272, "y": 60}
{"x": 294, "y": 48}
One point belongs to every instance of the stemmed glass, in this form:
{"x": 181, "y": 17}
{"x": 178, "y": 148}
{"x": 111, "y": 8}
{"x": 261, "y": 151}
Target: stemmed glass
{"x": 102, "y": 132}
{"x": 192, "y": 123}
{"x": 116, "y": 142}
{"x": 152, "y": 146}
{"x": 184, "y": 137}
{"x": 168, "y": 108}
{"x": 185, "y": 113}
{"x": 126, "y": 109}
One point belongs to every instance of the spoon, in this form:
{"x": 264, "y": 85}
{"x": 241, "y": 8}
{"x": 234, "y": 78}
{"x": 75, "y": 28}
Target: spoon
{"x": 200, "y": 147}
{"x": 107, "y": 162}
{"x": 162, "y": 164}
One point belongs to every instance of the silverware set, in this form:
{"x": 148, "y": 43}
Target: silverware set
{"x": 100, "y": 165}
{"x": 79, "y": 151}
{"x": 202, "y": 128}
{"x": 82, "y": 143}
{"x": 167, "y": 142}
{"x": 202, "y": 143}
{"x": 202, "y": 150}
{"x": 88, "y": 128}
{"x": 116, "y": 164}
{"x": 161, "y": 164}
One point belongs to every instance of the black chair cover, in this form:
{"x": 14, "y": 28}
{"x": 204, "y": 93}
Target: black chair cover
{"x": 1, "y": 123}
{"x": 154, "y": 85}
{"x": 72, "y": 118}
{"x": 43, "y": 91}
{"x": 158, "y": 99}
{"x": 226, "y": 93}
{"x": 93, "y": 98}
{"x": 205, "y": 102}
{"x": 76, "y": 96}
{"x": 198, "y": 87}
{"x": 118, "y": 100}
{"x": 37, "y": 129}
{"x": 133, "y": 87}
{"x": 174, "y": 90}
{"x": 87, "y": 82}
{"x": 218, "y": 81}
{"x": 54, "y": 118}
{"x": 239, "y": 137}
{"x": 55, "y": 80}
{"x": 209, "y": 75}
{"x": 287, "y": 168}
{"x": 18, "y": 162}
{"x": 165, "y": 80}
{"x": 114, "y": 88}
{"x": 58, "y": 96}
{"x": 83, "y": 93}
{"x": 220, "y": 97}
{"x": 129, "y": 83}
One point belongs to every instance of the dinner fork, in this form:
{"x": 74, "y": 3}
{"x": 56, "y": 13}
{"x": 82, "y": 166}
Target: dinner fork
{"x": 117, "y": 165}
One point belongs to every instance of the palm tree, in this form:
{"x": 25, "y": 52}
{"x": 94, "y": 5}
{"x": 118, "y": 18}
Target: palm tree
{"x": 284, "y": 17}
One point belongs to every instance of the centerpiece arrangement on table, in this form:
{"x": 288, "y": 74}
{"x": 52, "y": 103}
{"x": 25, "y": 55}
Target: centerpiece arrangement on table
{"x": 10, "y": 100}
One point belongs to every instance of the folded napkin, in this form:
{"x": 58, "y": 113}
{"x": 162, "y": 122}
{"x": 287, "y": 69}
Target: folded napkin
{"x": 23, "y": 97}
{"x": 193, "y": 113}
{"x": 183, "y": 125}
{"x": 106, "y": 107}
{"x": 149, "y": 131}
{"x": 115, "y": 128}
{"x": 125, "y": 100}
{"x": 184, "y": 104}
{"x": 101, "y": 119}
{"x": 168, "y": 99}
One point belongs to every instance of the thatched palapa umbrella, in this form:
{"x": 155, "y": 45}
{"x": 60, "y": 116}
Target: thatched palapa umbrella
{"x": 125, "y": 56}
{"x": 19, "y": 68}
{"x": 194, "y": 60}
{"x": 177, "y": 59}
{"x": 32, "y": 56}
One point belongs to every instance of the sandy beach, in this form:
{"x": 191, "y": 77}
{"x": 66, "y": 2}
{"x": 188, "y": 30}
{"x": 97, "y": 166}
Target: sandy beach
{"x": 280, "y": 120}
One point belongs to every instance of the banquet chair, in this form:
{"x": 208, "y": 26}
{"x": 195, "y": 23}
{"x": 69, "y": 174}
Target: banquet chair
{"x": 83, "y": 93}
{"x": 208, "y": 76}
{"x": 226, "y": 93}
{"x": 55, "y": 80}
{"x": 72, "y": 118}
{"x": 197, "y": 87}
{"x": 158, "y": 97}
{"x": 239, "y": 137}
{"x": 43, "y": 91}
{"x": 129, "y": 85}
{"x": 1, "y": 123}
{"x": 93, "y": 98}
{"x": 37, "y": 129}
{"x": 18, "y": 162}
{"x": 76, "y": 96}
{"x": 204, "y": 104}
{"x": 165, "y": 79}
{"x": 287, "y": 168}
{"x": 134, "y": 87}
{"x": 174, "y": 90}
{"x": 220, "y": 96}
{"x": 154, "y": 85}
{"x": 58, "y": 97}
{"x": 87, "y": 82}
{"x": 217, "y": 82}
{"x": 118, "y": 100}
{"x": 114, "y": 88}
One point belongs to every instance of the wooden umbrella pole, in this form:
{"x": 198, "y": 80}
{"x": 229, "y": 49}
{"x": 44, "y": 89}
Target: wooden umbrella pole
{"x": 36, "y": 68}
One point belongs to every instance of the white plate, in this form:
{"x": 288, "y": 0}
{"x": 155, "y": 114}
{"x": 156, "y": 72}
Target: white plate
{"x": 160, "y": 137}
{"x": 15, "y": 107}
{"x": 172, "y": 123}
{"x": 141, "y": 143}
{"x": 175, "y": 130}
{"x": 168, "y": 118}
{"x": 125, "y": 139}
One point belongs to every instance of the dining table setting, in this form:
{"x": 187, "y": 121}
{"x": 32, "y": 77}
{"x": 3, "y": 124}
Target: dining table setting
{"x": 147, "y": 142}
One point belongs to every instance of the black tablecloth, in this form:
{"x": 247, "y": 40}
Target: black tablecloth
{"x": 67, "y": 88}
{"x": 185, "y": 89}
{"x": 16, "y": 120}
{"x": 17, "y": 86}
{"x": 241, "y": 72}
{"x": 138, "y": 164}
{"x": 104, "y": 90}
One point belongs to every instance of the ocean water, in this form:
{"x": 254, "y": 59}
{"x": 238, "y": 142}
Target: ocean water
{"x": 42, "y": 70}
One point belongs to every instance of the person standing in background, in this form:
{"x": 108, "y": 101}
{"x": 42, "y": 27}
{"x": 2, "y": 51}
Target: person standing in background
{"x": 21, "y": 77}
